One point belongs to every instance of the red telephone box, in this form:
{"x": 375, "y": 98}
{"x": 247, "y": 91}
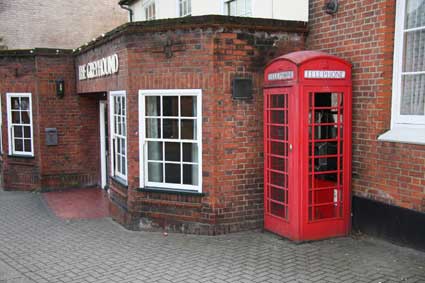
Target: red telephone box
{"x": 307, "y": 146}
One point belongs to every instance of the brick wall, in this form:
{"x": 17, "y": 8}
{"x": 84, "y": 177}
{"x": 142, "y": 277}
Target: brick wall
{"x": 71, "y": 163}
{"x": 57, "y": 23}
{"x": 204, "y": 58}
{"x": 363, "y": 33}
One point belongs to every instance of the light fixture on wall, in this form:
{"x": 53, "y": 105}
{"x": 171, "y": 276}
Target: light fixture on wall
{"x": 60, "y": 88}
{"x": 331, "y": 7}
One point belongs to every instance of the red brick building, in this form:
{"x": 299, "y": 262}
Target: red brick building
{"x": 183, "y": 154}
{"x": 186, "y": 156}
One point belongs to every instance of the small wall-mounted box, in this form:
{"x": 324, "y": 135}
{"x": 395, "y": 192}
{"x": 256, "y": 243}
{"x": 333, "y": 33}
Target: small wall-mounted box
{"x": 51, "y": 136}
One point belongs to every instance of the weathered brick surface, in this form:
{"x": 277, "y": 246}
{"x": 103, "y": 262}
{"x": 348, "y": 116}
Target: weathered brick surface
{"x": 363, "y": 33}
{"x": 204, "y": 58}
{"x": 74, "y": 161}
{"x": 56, "y": 23}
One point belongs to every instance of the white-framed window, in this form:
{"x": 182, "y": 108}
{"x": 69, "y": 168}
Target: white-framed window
{"x": 239, "y": 8}
{"x": 185, "y": 8}
{"x": 408, "y": 95}
{"x": 170, "y": 124}
{"x": 150, "y": 10}
{"x": 20, "y": 125}
{"x": 118, "y": 121}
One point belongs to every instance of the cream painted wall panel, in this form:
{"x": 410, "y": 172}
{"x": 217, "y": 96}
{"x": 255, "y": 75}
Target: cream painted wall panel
{"x": 207, "y": 7}
{"x": 271, "y": 9}
{"x": 290, "y": 10}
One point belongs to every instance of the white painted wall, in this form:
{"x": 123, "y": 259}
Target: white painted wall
{"x": 270, "y": 9}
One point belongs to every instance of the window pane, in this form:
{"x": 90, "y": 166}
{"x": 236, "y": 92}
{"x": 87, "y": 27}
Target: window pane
{"x": 170, "y": 106}
{"x": 190, "y": 152}
{"x": 414, "y": 51}
{"x": 25, "y": 102}
{"x": 15, "y": 103}
{"x": 123, "y": 105}
{"x": 27, "y": 131}
{"x": 16, "y": 117}
{"x": 123, "y": 164}
{"x": 188, "y": 129}
{"x": 155, "y": 150}
{"x": 277, "y": 101}
{"x": 172, "y": 151}
{"x": 27, "y": 144}
{"x": 415, "y": 13}
{"x": 412, "y": 99}
{"x": 155, "y": 172}
{"x": 188, "y": 106}
{"x": 25, "y": 117}
{"x": 19, "y": 145}
{"x": 190, "y": 174}
{"x": 17, "y": 131}
{"x": 171, "y": 129}
{"x": 153, "y": 128}
{"x": 172, "y": 173}
{"x": 153, "y": 106}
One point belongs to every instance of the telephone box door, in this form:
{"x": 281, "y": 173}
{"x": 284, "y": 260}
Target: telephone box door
{"x": 278, "y": 136}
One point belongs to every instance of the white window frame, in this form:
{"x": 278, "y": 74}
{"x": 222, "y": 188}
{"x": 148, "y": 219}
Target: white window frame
{"x": 115, "y": 172}
{"x": 227, "y": 7}
{"x": 404, "y": 128}
{"x": 145, "y": 8}
{"x": 12, "y": 150}
{"x": 189, "y": 9}
{"x": 1, "y": 126}
{"x": 143, "y": 140}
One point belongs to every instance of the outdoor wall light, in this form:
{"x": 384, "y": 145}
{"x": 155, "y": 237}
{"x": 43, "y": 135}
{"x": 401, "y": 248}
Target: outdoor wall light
{"x": 60, "y": 88}
{"x": 331, "y": 7}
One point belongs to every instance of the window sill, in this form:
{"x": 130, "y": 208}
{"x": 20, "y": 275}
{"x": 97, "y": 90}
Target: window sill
{"x": 404, "y": 135}
{"x": 21, "y": 156}
{"x": 119, "y": 180}
{"x": 169, "y": 191}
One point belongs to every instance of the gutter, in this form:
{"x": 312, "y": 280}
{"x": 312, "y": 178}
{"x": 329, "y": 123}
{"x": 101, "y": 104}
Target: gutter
{"x": 127, "y": 7}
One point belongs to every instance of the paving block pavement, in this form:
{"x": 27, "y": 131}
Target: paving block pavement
{"x": 36, "y": 246}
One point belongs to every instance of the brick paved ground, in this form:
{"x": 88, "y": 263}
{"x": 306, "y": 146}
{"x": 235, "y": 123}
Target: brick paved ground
{"x": 35, "y": 246}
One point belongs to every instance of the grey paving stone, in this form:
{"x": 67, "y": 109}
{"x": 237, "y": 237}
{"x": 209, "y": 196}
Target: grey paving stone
{"x": 35, "y": 246}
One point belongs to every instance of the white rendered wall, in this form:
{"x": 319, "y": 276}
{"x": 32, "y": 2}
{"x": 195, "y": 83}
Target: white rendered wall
{"x": 294, "y": 10}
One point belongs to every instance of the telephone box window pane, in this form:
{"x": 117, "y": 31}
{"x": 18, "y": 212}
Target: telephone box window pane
{"x": 279, "y": 117}
{"x": 278, "y": 164}
{"x": 279, "y": 132}
{"x": 153, "y": 106}
{"x": 154, "y": 150}
{"x": 277, "y": 101}
{"x": 325, "y": 164}
{"x": 278, "y": 179}
{"x": 188, "y": 106}
{"x": 279, "y": 148}
{"x": 190, "y": 152}
{"x": 172, "y": 151}
{"x": 153, "y": 128}
{"x": 171, "y": 128}
{"x": 278, "y": 195}
{"x": 277, "y": 209}
{"x": 172, "y": 173}
{"x": 188, "y": 129}
{"x": 155, "y": 172}
{"x": 170, "y": 106}
{"x": 190, "y": 174}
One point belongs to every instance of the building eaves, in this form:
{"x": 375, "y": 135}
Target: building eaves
{"x": 196, "y": 22}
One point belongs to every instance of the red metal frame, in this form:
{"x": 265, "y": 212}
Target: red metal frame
{"x": 322, "y": 210}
